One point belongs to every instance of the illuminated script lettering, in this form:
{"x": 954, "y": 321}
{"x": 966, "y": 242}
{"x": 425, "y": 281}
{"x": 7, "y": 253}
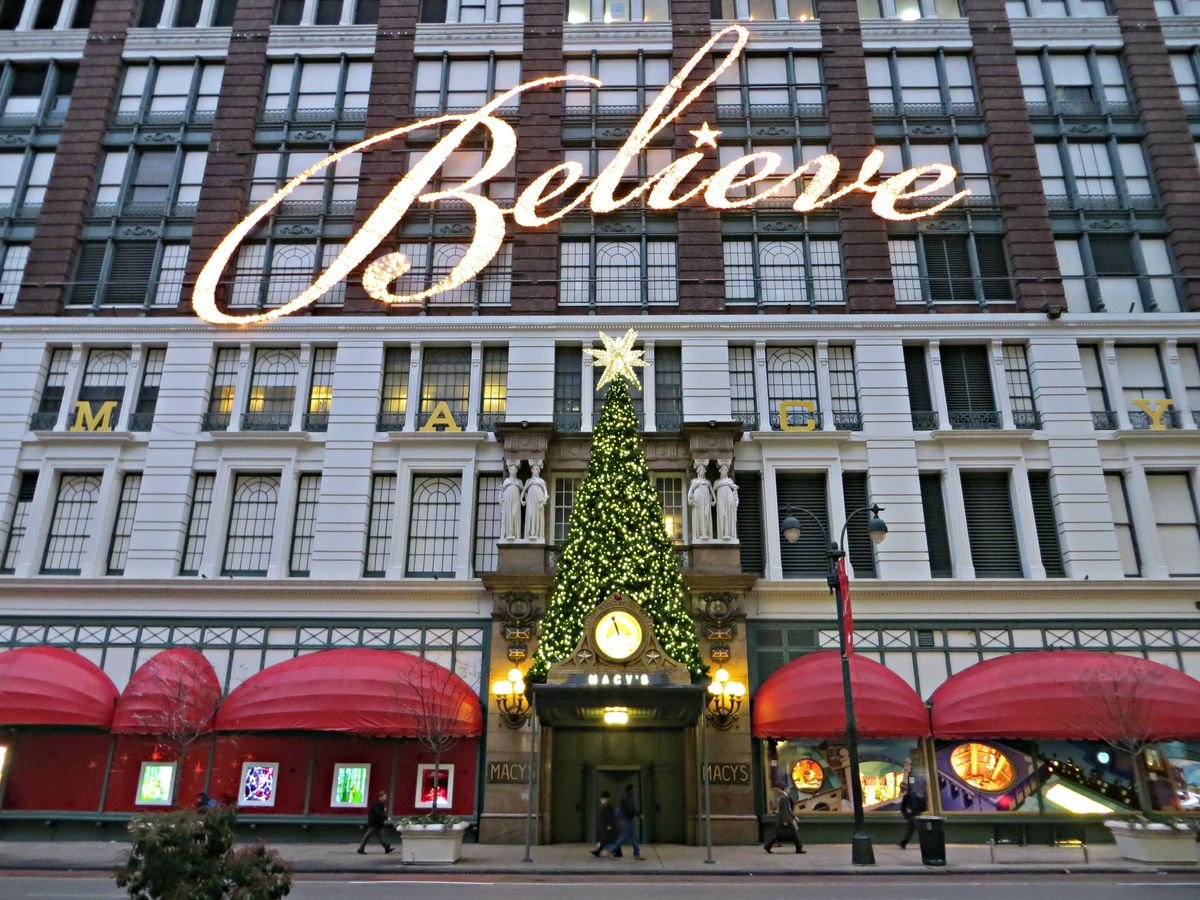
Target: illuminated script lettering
{"x": 535, "y": 206}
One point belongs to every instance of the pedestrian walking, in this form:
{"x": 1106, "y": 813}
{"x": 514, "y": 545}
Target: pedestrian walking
{"x": 785, "y": 821}
{"x": 912, "y": 804}
{"x": 628, "y": 814}
{"x": 377, "y": 818}
{"x": 606, "y": 823}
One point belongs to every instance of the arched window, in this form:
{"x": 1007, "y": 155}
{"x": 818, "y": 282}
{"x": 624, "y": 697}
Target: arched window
{"x": 251, "y": 525}
{"x": 433, "y": 525}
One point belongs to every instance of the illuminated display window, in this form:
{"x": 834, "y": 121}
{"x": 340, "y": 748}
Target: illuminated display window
{"x": 351, "y": 783}
{"x": 430, "y": 785}
{"x": 807, "y": 775}
{"x": 816, "y": 773}
{"x": 982, "y": 766}
{"x": 156, "y": 784}
{"x": 258, "y": 784}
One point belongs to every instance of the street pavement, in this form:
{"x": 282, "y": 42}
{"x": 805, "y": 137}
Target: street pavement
{"x": 660, "y": 860}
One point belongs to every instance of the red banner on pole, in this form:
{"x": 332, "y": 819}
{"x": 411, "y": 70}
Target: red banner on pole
{"x": 847, "y": 614}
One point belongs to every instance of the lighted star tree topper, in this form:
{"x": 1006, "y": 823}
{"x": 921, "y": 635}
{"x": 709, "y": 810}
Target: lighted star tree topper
{"x": 616, "y": 541}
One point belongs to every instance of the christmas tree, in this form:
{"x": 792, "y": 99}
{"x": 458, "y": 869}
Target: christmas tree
{"x": 616, "y": 542}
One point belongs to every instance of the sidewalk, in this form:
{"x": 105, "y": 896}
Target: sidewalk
{"x": 667, "y": 859}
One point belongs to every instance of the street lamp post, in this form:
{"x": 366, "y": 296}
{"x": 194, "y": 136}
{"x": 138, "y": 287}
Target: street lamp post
{"x": 861, "y": 851}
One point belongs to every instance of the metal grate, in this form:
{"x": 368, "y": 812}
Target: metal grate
{"x": 433, "y": 525}
{"x": 380, "y": 521}
{"x": 806, "y": 558}
{"x": 197, "y": 530}
{"x": 71, "y": 523}
{"x": 859, "y": 545}
{"x": 118, "y": 547}
{"x": 967, "y": 377}
{"x": 304, "y": 524}
{"x": 936, "y": 536}
{"x": 251, "y": 525}
{"x": 1047, "y": 527}
{"x": 750, "y": 521}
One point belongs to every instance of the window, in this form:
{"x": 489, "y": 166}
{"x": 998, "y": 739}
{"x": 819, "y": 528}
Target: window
{"x": 1095, "y": 175}
{"x": 750, "y": 521}
{"x": 320, "y": 389}
{"x": 431, "y": 263}
{"x": 327, "y": 12}
{"x": 142, "y": 416}
{"x": 494, "y": 399}
{"x": 158, "y": 93}
{"x": 197, "y": 529}
{"x": 271, "y": 274}
{"x": 272, "y": 389}
{"x": 118, "y": 546}
{"x": 433, "y": 525}
{"x": 792, "y": 380}
{"x": 991, "y": 530}
{"x": 921, "y": 85}
{"x": 771, "y": 86}
{"x": 20, "y": 518}
{"x": 487, "y": 522}
{"x": 670, "y": 494}
{"x": 1189, "y": 364}
{"x": 1118, "y": 500}
{"x": 599, "y": 395}
{"x": 967, "y": 378}
{"x": 969, "y": 159}
{"x": 758, "y": 10}
{"x": 1185, "y": 67}
{"x": 12, "y": 271}
{"x": 743, "y": 402}
{"x": 379, "y": 525}
{"x": 150, "y": 182}
{"x": 317, "y": 91}
{"x": 224, "y": 384}
{"x": 566, "y": 488}
{"x": 121, "y": 273}
{"x": 1173, "y": 500}
{"x": 1074, "y": 83}
{"x": 251, "y": 525}
{"x": 1046, "y": 525}
{"x": 1120, "y": 272}
{"x": 933, "y": 506}
{"x": 920, "y": 398}
{"x": 38, "y": 94}
{"x": 668, "y": 388}
{"x": 630, "y": 83}
{"x": 186, "y": 14}
{"x": 45, "y": 14}
{"x": 55, "y": 384}
{"x": 843, "y": 385}
{"x": 445, "y": 379}
{"x": 909, "y": 10}
{"x": 1144, "y": 379}
{"x": 23, "y": 180}
{"x": 71, "y": 523}
{"x": 102, "y": 389}
{"x": 617, "y": 273}
{"x": 597, "y": 155}
{"x": 1020, "y": 388}
{"x": 463, "y": 85}
{"x": 929, "y": 271}
{"x": 331, "y": 191}
{"x": 609, "y": 11}
{"x": 472, "y": 11}
{"x": 568, "y": 388}
{"x": 394, "y": 400}
{"x": 765, "y": 273}
{"x": 1103, "y": 415}
{"x": 806, "y": 557}
{"x": 304, "y": 524}
{"x": 859, "y": 546}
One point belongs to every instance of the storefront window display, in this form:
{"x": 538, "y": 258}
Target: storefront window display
{"x": 259, "y": 781}
{"x": 431, "y": 784}
{"x": 350, "y": 783}
{"x": 1184, "y": 761}
{"x": 156, "y": 784}
{"x": 816, "y": 773}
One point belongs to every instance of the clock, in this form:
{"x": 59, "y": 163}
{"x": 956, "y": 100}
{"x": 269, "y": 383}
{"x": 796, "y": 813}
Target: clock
{"x": 618, "y": 635}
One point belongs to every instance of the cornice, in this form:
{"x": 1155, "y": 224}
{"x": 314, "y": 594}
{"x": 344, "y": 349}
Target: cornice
{"x": 436, "y": 37}
{"x": 147, "y": 42}
{"x": 305, "y": 38}
{"x": 42, "y": 44}
{"x": 1180, "y": 30}
{"x": 1100, "y": 31}
{"x": 769, "y": 34}
{"x": 598, "y": 36}
{"x": 950, "y": 33}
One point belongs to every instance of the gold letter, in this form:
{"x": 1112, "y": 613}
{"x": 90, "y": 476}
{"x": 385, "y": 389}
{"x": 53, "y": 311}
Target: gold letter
{"x": 86, "y": 420}
{"x": 786, "y": 405}
{"x": 441, "y": 415}
{"x": 1155, "y": 409}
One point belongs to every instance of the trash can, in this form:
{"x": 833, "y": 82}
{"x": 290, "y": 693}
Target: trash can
{"x": 931, "y": 831}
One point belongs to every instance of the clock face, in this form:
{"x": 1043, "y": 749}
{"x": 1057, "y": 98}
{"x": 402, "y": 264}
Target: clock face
{"x": 618, "y": 635}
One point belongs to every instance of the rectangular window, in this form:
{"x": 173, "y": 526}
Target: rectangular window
{"x": 160, "y": 94}
{"x": 71, "y": 523}
{"x": 320, "y": 389}
{"x": 859, "y": 545}
{"x": 118, "y": 546}
{"x": 317, "y": 90}
{"x": 629, "y": 84}
{"x": 967, "y": 377}
{"x": 38, "y": 93}
{"x": 792, "y": 388}
{"x": 923, "y": 84}
{"x": 743, "y": 401}
{"x": 1103, "y": 415}
{"x": 433, "y": 525}
{"x": 494, "y": 400}
{"x": 445, "y": 383}
{"x": 304, "y": 524}
{"x": 24, "y": 178}
{"x": 668, "y": 388}
{"x": 332, "y": 190}
{"x": 272, "y": 389}
{"x": 568, "y": 388}
{"x": 566, "y": 487}
{"x": 750, "y": 521}
{"x": 20, "y": 519}
{"x": 1118, "y": 501}
{"x": 920, "y": 398}
{"x": 462, "y": 84}
{"x": 142, "y": 417}
{"x": 102, "y": 389}
{"x": 251, "y": 525}
{"x": 379, "y": 525}
{"x": 991, "y": 529}
{"x": 52, "y": 390}
{"x": 1178, "y": 523}
{"x": 12, "y": 272}
{"x": 670, "y": 495}
{"x": 794, "y": 273}
{"x": 1047, "y": 524}
{"x": 1020, "y": 388}
{"x": 843, "y": 387}
{"x": 224, "y": 384}
{"x": 802, "y": 491}
{"x": 617, "y": 273}
{"x": 1144, "y": 383}
{"x": 770, "y": 85}
{"x": 155, "y": 182}
{"x": 197, "y": 529}
{"x": 933, "y": 506}
{"x": 1189, "y": 364}
{"x": 487, "y": 522}
{"x": 949, "y": 269}
{"x": 394, "y": 399}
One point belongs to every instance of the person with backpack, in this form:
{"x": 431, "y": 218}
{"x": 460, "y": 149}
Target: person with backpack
{"x": 912, "y": 804}
{"x": 785, "y": 821}
{"x": 628, "y": 814}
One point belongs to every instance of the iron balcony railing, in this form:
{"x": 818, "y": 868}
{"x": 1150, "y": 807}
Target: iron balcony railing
{"x": 749, "y": 420}
{"x": 924, "y": 420}
{"x": 973, "y": 420}
{"x": 140, "y": 421}
{"x": 1104, "y": 419}
{"x": 215, "y": 421}
{"x": 1141, "y": 421}
{"x": 43, "y": 421}
{"x": 571, "y": 422}
{"x": 1029, "y": 419}
{"x": 316, "y": 421}
{"x": 848, "y": 421}
{"x": 389, "y": 422}
{"x": 266, "y": 421}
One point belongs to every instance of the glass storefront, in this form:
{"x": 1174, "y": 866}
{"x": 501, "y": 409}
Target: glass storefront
{"x": 816, "y": 773}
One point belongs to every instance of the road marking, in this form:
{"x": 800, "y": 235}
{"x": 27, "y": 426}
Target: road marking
{"x": 424, "y": 881}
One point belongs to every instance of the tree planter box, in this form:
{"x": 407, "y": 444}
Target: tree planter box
{"x": 1154, "y": 843}
{"x": 431, "y": 844}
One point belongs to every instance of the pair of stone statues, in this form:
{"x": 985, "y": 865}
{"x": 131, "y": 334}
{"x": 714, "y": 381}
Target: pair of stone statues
{"x": 532, "y": 495}
{"x": 703, "y": 496}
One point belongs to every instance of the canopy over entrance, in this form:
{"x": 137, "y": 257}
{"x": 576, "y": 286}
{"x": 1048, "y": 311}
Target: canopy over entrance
{"x": 1068, "y": 695}
{"x": 804, "y": 698}
{"x": 54, "y": 686}
{"x": 583, "y": 705}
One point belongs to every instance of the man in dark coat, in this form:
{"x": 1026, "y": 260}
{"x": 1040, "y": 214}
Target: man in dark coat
{"x": 785, "y": 821}
{"x": 912, "y": 804}
{"x": 628, "y": 814}
{"x": 377, "y": 817}
{"x": 606, "y": 824}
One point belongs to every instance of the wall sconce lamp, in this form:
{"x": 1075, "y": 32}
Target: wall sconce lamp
{"x": 724, "y": 700}
{"x": 509, "y": 694}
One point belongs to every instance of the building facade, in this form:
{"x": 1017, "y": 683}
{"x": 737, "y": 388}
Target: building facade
{"x": 1014, "y": 379}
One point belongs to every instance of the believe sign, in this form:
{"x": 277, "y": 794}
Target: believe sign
{"x": 664, "y": 190}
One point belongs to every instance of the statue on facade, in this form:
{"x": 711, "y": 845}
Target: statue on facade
{"x": 510, "y": 506}
{"x": 701, "y": 500}
{"x": 533, "y": 498}
{"x": 727, "y": 504}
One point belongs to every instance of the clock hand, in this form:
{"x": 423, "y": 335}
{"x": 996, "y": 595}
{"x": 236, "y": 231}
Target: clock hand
{"x": 616, "y": 624}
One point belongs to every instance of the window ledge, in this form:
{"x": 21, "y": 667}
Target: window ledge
{"x": 273, "y": 437}
{"x": 977, "y": 433}
{"x": 1142, "y": 434}
{"x": 817, "y": 434}
{"x": 49, "y": 436}
{"x": 402, "y": 436}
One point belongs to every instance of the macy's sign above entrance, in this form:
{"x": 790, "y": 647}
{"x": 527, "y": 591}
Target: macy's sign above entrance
{"x": 534, "y": 207}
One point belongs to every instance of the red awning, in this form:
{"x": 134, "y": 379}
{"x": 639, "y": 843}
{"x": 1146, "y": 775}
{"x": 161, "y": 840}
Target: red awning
{"x": 382, "y": 693}
{"x": 805, "y": 699}
{"x": 1067, "y": 695}
{"x": 174, "y": 692}
{"x": 54, "y": 686}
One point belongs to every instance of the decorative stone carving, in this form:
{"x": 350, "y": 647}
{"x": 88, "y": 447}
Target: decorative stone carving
{"x": 533, "y": 497}
{"x": 510, "y": 505}
{"x": 701, "y": 499}
{"x": 727, "y": 504}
